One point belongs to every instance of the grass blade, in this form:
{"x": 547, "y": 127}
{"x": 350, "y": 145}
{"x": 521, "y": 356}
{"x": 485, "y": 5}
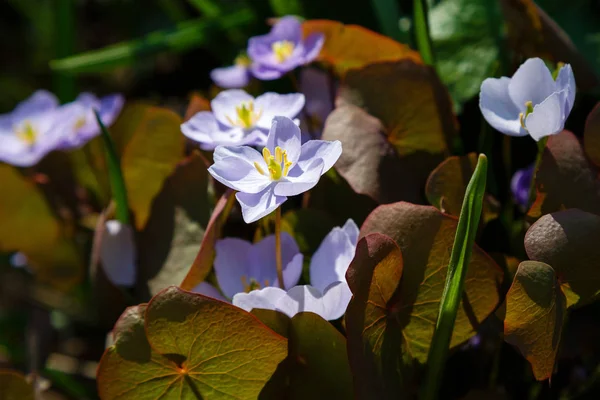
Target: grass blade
{"x": 468, "y": 223}
{"x": 115, "y": 175}
{"x": 422, "y": 35}
{"x": 186, "y": 35}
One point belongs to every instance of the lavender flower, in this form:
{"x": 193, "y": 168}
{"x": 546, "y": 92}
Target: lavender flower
{"x": 241, "y": 266}
{"x": 328, "y": 295}
{"x": 285, "y": 168}
{"x": 239, "y": 119}
{"x": 315, "y": 86}
{"x": 233, "y": 77}
{"x": 283, "y": 49}
{"x": 520, "y": 184}
{"x": 118, "y": 254}
{"x": 531, "y": 102}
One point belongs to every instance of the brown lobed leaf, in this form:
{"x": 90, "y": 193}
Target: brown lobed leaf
{"x": 425, "y": 237}
{"x": 352, "y": 46}
{"x": 373, "y": 328}
{"x": 447, "y": 184}
{"x": 197, "y": 103}
{"x": 184, "y": 345}
{"x": 535, "y": 313}
{"x": 13, "y": 386}
{"x": 565, "y": 179}
{"x": 30, "y": 226}
{"x": 591, "y": 135}
{"x": 151, "y": 144}
{"x": 203, "y": 262}
{"x": 317, "y": 364}
{"x": 568, "y": 241}
{"x": 395, "y": 122}
{"x": 178, "y": 221}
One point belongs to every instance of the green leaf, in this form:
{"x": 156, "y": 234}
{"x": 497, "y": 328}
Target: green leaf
{"x": 462, "y": 249}
{"x": 395, "y": 122}
{"x": 184, "y": 345}
{"x": 388, "y": 15}
{"x": 13, "y": 386}
{"x": 282, "y": 8}
{"x": 373, "y": 327}
{"x": 317, "y": 364}
{"x": 425, "y": 237}
{"x": 465, "y": 35}
{"x": 203, "y": 262}
{"x": 568, "y": 241}
{"x": 178, "y": 220}
{"x": 187, "y": 35}
{"x": 30, "y": 226}
{"x": 151, "y": 145}
{"x": 535, "y": 313}
{"x": 115, "y": 175}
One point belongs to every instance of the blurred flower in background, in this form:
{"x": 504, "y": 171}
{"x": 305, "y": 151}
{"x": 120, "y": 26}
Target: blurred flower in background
{"x": 318, "y": 88}
{"x": 118, "y": 253}
{"x": 234, "y": 77}
{"x": 520, "y": 184}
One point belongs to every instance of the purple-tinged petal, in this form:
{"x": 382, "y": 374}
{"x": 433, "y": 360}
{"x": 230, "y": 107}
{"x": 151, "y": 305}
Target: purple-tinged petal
{"x": 273, "y": 104}
{"x": 239, "y": 174}
{"x": 19, "y": 260}
{"x": 498, "y": 108}
{"x": 312, "y": 46}
{"x": 232, "y": 260}
{"x": 233, "y": 77}
{"x": 200, "y": 127}
{"x": 225, "y": 103}
{"x": 265, "y": 73}
{"x": 325, "y": 150}
{"x": 547, "y": 117}
{"x": 264, "y": 299}
{"x": 117, "y": 253}
{"x": 330, "y": 305}
{"x": 285, "y": 134}
{"x": 299, "y": 181}
{"x": 315, "y": 85}
{"x": 287, "y": 28}
{"x": 39, "y": 102}
{"x": 257, "y": 205}
{"x": 532, "y": 82}
{"x": 262, "y": 265}
{"x": 566, "y": 81}
{"x": 331, "y": 260}
{"x": 520, "y": 184}
{"x": 243, "y": 152}
{"x": 209, "y": 290}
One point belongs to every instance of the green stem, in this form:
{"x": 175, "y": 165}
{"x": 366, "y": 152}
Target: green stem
{"x": 278, "y": 261}
{"x": 422, "y": 35}
{"x": 115, "y": 175}
{"x": 464, "y": 240}
{"x": 541, "y": 144}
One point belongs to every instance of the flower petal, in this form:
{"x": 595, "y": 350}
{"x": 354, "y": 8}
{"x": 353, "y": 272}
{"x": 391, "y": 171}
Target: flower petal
{"x": 265, "y": 299}
{"x": 262, "y": 266}
{"x": 225, "y": 103}
{"x": 199, "y": 128}
{"x": 243, "y": 152}
{"x": 299, "y": 181}
{"x": 239, "y": 174}
{"x": 312, "y": 46}
{"x": 273, "y": 104}
{"x": 566, "y": 81}
{"x": 547, "y": 117}
{"x": 39, "y": 102}
{"x": 326, "y": 150}
{"x": 285, "y": 134}
{"x": 117, "y": 253}
{"x": 498, "y": 108}
{"x": 532, "y": 82}
{"x": 266, "y": 73}
{"x": 209, "y": 290}
{"x": 330, "y": 305}
{"x": 287, "y": 28}
{"x": 232, "y": 261}
{"x": 257, "y": 205}
{"x": 331, "y": 260}
{"x": 233, "y": 77}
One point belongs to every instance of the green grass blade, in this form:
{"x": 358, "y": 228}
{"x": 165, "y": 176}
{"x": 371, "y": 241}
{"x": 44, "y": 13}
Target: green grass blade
{"x": 468, "y": 223}
{"x": 422, "y": 36}
{"x": 115, "y": 175}
{"x": 286, "y": 7}
{"x": 388, "y": 16}
{"x": 186, "y": 35}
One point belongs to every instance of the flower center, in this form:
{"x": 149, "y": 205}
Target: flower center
{"x": 80, "y": 123}
{"x": 26, "y": 133}
{"x": 242, "y": 61}
{"x": 253, "y": 284}
{"x": 278, "y": 164}
{"x": 282, "y": 49}
{"x": 246, "y": 115}
{"x": 528, "y": 110}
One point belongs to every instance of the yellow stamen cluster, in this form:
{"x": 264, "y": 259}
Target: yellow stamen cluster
{"x": 528, "y": 110}
{"x": 277, "y": 164}
{"x": 80, "y": 123}
{"x": 26, "y": 133}
{"x": 282, "y": 49}
{"x": 246, "y": 115}
{"x": 252, "y": 285}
